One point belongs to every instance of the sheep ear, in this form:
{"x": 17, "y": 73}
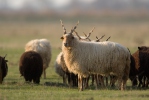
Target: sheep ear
{"x": 139, "y": 48}
{"x": 5, "y": 56}
{"x": 62, "y": 38}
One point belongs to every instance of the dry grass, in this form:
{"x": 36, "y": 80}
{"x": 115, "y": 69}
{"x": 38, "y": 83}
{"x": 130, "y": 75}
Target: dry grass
{"x": 16, "y": 34}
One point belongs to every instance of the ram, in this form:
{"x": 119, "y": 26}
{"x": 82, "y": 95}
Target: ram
{"x": 43, "y": 47}
{"x": 85, "y": 58}
{"x": 62, "y": 70}
{"x": 31, "y": 66}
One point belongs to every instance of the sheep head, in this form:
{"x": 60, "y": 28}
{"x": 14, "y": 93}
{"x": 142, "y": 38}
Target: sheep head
{"x": 68, "y": 37}
{"x": 141, "y": 48}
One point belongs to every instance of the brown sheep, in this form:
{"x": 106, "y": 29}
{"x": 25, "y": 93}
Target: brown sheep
{"x": 31, "y": 66}
{"x": 141, "y": 58}
{"x": 144, "y": 64}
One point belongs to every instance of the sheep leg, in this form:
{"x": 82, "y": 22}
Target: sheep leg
{"x": 76, "y": 80}
{"x": 92, "y": 79}
{"x": 87, "y": 81}
{"x": 101, "y": 80}
{"x": 96, "y": 79}
{"x": 44, "y": 73}
{"x": 36, "y": 80}
{"x": 106, "y": 80}
{"x": 0, "y": 71}
{"x": 80, "y": 82}
{"x": 120, "y": 83}
{"x": 70, "y": 79}
{"x": 113, "y": 79}
{"x": 64, "y": 78}
{"x": 73, "y": 79}
{"x": 28, "y": 79}
{"x": 147, "y": 82}
{"x": 144, "y": 78}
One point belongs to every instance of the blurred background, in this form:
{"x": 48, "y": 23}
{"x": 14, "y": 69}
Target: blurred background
{"x": 73, "y": 8}
{"x": 126, "y": 21}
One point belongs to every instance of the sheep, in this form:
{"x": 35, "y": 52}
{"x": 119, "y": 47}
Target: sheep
{"x": 31, "y": 66}
{"x": 85, "y": 58}
{"x": 144, "y": 64}
{"x": 135, "y": 66}
{"x": 62, "y": 70}
{"x": 3, "y": 68}
{"x": 43, "y": 47}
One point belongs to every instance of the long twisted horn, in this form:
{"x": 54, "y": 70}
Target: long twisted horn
{"x": 64, "y": 29}
{"x": 108, "y": 38}
{"x": 73, "y": 29}
{"x": 91, "y": 31}
{"x": 87, "y": 36}
{"x": 98, "y": 39}
{"x": 77, "y": 35}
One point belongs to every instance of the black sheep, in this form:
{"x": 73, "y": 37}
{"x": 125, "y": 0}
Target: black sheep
{"x": 31, "y": 66}
{"x": 144, "y": 64}
{"x": 4, "y": 67}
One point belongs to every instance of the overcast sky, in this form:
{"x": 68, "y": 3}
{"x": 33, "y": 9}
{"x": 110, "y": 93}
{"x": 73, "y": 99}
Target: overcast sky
{"x": 17, "y": 4}
{"x": 60, "y": 4}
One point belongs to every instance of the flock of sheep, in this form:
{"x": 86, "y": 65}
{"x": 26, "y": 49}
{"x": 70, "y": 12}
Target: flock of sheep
{"x": 81, "y": 58}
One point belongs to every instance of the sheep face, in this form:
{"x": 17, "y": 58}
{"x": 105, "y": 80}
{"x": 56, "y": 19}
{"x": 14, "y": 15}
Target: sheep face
{"x": 67, "y": 39}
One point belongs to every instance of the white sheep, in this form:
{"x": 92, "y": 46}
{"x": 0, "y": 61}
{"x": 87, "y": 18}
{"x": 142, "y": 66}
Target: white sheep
{"x": 43, "y": 47}
{"x": 85, "y": 58}
{"x": 60, "y": 67}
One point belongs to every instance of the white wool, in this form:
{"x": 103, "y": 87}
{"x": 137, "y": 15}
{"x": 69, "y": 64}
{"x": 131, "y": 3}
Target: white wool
{"x": 60, "y": 67}
{"x": 84, "y": 58}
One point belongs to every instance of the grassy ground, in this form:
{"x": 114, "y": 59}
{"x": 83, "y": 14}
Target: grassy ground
{"x": 14, "y": 36}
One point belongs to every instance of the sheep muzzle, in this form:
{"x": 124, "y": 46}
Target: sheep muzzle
{"x": 66, "y": 44}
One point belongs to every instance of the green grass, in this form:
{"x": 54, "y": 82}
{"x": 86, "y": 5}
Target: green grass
{"x": 14, "y": 36}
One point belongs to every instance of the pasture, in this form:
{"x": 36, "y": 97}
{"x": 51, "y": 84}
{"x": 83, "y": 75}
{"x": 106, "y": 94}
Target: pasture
{"x": 15, "y": 34}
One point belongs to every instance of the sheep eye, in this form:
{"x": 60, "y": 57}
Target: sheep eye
{"x": 62, "y": 38}
{"x": 72, "y": 37}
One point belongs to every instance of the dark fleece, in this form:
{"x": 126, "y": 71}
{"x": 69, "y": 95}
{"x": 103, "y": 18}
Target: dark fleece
{"x": 31, "y": 66}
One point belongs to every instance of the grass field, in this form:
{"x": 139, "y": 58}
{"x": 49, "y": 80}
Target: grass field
{"x": 15, "y": 34}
